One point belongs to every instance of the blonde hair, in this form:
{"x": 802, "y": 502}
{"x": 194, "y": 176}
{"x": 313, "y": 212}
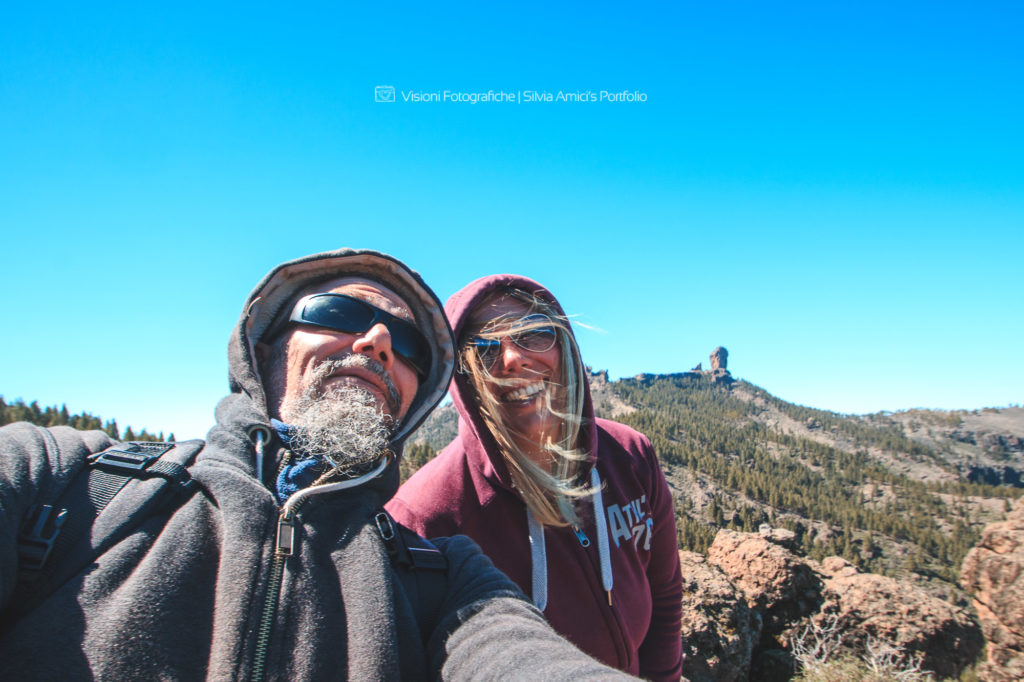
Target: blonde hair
{"x": 550, "y": 496}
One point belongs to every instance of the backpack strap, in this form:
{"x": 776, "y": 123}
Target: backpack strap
{"x": 421, "y": 567}
{"x": 50, "y": 544}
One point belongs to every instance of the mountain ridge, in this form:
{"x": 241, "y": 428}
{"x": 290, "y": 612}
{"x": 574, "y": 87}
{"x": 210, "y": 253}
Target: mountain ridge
{"x": 904, "y": 494}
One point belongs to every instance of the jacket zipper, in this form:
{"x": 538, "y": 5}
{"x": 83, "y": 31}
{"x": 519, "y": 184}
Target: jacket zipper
{"x": 284, "y": 548}
{"x": 581, "y": 536}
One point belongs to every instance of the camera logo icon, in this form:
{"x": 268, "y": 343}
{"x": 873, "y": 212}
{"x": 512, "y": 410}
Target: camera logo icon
{"x": 384, "y": 93}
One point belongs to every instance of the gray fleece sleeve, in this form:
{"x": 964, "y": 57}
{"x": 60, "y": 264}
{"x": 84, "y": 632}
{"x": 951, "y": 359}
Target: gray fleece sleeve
{"x": 35, "y": 465}
{"x": 488, "y": 630}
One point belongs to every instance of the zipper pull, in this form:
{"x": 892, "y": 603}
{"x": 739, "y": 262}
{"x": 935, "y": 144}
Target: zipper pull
{"x": 285, "y": 535}
{"x": 581, "y": 536}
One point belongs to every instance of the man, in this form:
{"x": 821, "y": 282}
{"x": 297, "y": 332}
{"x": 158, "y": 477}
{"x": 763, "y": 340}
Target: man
{"x": 279, "y": 567}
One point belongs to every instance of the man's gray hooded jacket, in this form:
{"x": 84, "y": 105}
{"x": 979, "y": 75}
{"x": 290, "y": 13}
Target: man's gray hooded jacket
{"x": 198, "y": 593}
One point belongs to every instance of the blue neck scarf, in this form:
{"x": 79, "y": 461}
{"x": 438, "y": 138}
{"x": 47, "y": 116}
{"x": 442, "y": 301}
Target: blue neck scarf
{"x": 299, "y": 473}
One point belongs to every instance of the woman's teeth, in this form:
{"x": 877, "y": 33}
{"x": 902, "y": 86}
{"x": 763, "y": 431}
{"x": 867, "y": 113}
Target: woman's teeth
{"x": 523, "y": 393}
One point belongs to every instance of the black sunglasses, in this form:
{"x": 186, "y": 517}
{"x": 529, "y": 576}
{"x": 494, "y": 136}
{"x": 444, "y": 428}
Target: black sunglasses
{"x": 350, "y": 315}
{"x": 535, "y": 333}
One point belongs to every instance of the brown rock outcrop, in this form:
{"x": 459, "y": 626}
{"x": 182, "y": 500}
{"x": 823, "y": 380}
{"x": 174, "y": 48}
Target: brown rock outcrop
{"x": 777, "y": 583}
{"x": 994, "y": 573}
{"x": 719, "y": 358}
{"x": 719, "y": 629}
{"x": 783, "y": 537}
{"x": 900, "y": 613}
{"x": 786, "y": 592}
{"x": 720, "y": 376}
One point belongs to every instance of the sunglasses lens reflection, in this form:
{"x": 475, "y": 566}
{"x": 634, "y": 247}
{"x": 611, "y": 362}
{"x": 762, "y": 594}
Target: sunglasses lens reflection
{"x": 341, "y": 314}
{"x": 536, "y": 340}
{"x": 488, "y": 350}
{"x": 353, "y": 316}
{"x": 534, "y": 333}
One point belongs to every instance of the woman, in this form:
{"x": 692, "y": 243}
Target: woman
{"x": 574, "y": 509}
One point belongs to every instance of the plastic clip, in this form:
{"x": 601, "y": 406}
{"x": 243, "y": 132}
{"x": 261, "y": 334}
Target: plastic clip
{"x": 37, "y": 543}
{"x": 384, "y": 526}
{"x": 120, "y": 460}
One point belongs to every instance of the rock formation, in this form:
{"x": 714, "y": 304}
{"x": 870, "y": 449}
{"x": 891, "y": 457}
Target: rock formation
{"x": 779, "y": 585}
{"x": 995, "y": 476}
{"x": 897, "y": 612}
{"x": 783, "y": 537}
{"x": 719, "y": 629}
{"x": 994, "y": 573}
{"x": 784, "y": 594}
{"x": 719, "y": 358}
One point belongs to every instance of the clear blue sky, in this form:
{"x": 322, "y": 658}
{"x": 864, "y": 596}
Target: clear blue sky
{"x": 833, "y": 191}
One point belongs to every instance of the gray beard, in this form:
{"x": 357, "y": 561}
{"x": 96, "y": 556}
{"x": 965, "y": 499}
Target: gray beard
{"x": 344, "y": 426}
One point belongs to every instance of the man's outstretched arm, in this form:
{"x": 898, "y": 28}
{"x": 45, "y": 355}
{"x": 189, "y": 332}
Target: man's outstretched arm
{"x": 488, "y": 629}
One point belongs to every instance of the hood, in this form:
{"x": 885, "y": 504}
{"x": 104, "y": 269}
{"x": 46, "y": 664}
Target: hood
{"x": 282, "y": 283}
{"x": 473, "y": 432}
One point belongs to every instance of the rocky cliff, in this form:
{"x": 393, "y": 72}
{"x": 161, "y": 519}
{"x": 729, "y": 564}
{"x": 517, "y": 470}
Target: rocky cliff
{"x": 752, "y": 603}
{"x": 994, "y": 573}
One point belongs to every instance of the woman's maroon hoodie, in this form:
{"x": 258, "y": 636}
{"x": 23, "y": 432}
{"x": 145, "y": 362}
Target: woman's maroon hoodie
{"x": 467, "y": 490}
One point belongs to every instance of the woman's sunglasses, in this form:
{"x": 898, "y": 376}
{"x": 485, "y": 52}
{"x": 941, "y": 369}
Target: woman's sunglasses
{"x": 350, "y": 315}
{"x": 535, "y": 333}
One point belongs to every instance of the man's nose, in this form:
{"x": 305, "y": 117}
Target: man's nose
{"x": 375, "y": 343}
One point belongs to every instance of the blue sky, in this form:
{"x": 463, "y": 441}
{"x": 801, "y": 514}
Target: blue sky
{"x": 833, "y": 191}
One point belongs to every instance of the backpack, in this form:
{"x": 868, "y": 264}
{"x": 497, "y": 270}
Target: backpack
{"x": 422, "y": 568}
{"x": 55, "y": 542}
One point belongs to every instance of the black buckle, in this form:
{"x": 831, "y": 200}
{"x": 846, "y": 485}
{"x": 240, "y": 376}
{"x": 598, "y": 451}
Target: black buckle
{"x": 36, "y": 541}
{"x": 389, "y": 534}
{"x": 428, "y": 558}
{"x": 384, "y": 526}
{"x": 119, "y": 460}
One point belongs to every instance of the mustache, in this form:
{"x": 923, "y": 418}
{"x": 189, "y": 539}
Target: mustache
{"x": 328, "y": 367}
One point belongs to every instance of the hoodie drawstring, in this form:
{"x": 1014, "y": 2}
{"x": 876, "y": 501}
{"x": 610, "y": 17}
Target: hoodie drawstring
{"x": 538, "y": 550}
{"x": 539, "y": 556}
{"x": 259, "y": 455}
{"x": 607, "y": 579}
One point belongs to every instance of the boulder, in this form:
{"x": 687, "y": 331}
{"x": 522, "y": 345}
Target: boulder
{"x": 783, "y": 537}
{"x": 778, "y": 584}
{"x": 994, "y": 573}
{"x": 719, "y": 629}
{"x": 719, "y": 358}
{"x": 792, "y": 593}
{"x": 864, "y": 605}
